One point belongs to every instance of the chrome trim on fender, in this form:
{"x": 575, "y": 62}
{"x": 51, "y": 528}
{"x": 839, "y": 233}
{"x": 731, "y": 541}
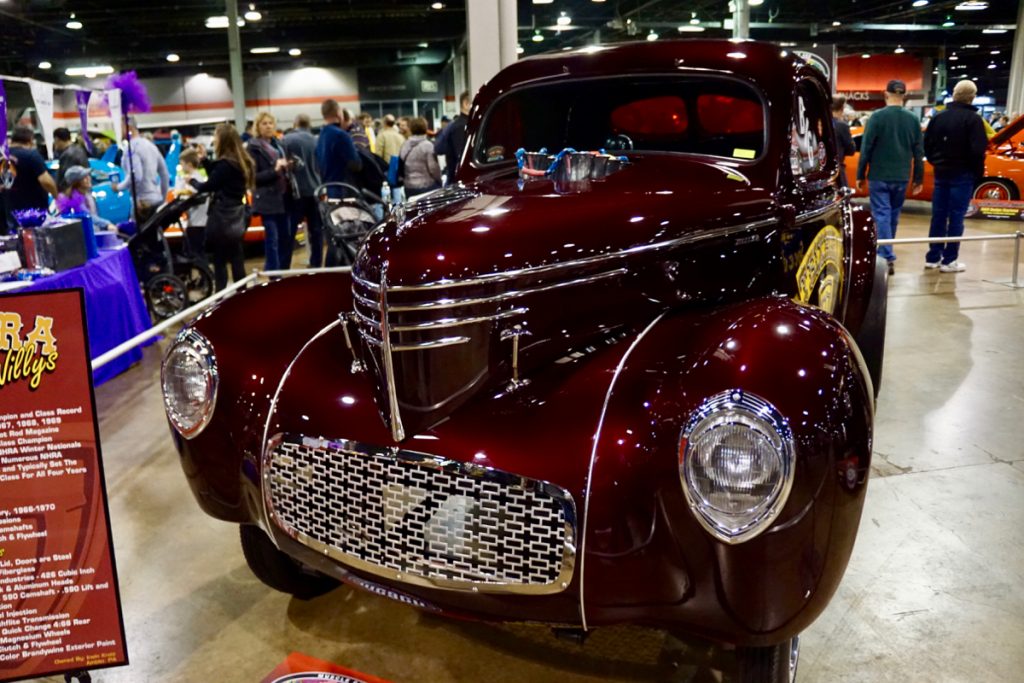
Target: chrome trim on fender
{"x": 742, "y": 403}
{"x": 265, "y": 519}
{"x": 593, "y": 459}
{"x": 200, "y": 347}
{"x": 433, "y": 476}
{"x": 395, "y": 418}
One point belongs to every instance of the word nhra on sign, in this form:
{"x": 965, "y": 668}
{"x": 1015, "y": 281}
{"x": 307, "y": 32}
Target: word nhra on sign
{"x": 30, "y": 357}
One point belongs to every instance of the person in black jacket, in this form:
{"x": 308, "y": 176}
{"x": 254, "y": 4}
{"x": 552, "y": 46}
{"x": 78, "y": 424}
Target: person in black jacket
{"x": 452, "y": 139}
{"x": 271, "y": 166}
{"x": 955, "y": 144}
{"x": 228, "y": 178}
{"x": 844, "y": 141}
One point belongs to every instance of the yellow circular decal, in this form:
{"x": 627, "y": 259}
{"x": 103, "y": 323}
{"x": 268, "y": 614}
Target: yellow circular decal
{"x": 821, "y": 271}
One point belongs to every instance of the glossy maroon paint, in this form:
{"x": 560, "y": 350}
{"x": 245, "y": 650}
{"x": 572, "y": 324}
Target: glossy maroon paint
{"x": 726, "y": 322}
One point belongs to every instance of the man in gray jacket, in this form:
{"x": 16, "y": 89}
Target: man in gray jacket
{"x": 300, "y": 148}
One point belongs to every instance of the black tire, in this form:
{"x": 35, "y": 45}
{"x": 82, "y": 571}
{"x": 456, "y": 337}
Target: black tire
{"x": 998, "y": 189}
{"x": 772, "y": 664}
{"x": 871, "y": 336}
{"x": 198, "y": 281}
{"x": 279, "y": 571}
{"x": 166, "y": 296}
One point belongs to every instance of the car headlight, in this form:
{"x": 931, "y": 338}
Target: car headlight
{"x": 189, "y": 378}
{"x": 736, "y": 465}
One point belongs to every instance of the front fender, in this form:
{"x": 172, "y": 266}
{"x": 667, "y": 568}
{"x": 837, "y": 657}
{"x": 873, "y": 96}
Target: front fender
{"x": 768, "y": 588}
{"x": 255, "y": 336}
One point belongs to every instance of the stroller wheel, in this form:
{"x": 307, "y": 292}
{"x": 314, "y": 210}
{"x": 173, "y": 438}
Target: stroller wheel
{"x": 197, "y": 279}
{"x": 165, "y": 295}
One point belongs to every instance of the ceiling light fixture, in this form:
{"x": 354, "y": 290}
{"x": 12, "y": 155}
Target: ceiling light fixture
{"x": 73, "y": 24}
{"x": 971, "y": 5}
{"x": 519, "y": 49}
{"x": 423, "y": 46}
{"x": 953, "y": 58}
{"x": 264, "y": 50}
{"x": 90, "y": 71}
{"x": 686, "y": 28}
{"x": 173, "y": 58}
{"x": 899, "y": 50}
{"x": 948, "y": 22}
{"x": 45, "y": 65}
{"x": 563, "y": 19}
{"x": 222, "y": 22}
{"x": 543, "y": 2}
{"x": 537, "y": 37}
{"x": 437, "y": 5}
{"x": 994, "y": 52}
{"x": 865, "y": 56}
{"x": 837, "y": 23}
{"x": 755, "y": 3}
{"x": 992, "y": 31}
{"x": 295, "y": 52}
{"x": 919, "y": 3}
{"x": 253, "y": 14}
{"x": 693, "y": 18}
{"x": 652, "y": 35}
{"x": 991, "y": 66}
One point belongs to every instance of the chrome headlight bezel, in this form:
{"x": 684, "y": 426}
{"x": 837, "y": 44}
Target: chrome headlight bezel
{"x": 199, "y": 349}
{"x": 738, "y": 408}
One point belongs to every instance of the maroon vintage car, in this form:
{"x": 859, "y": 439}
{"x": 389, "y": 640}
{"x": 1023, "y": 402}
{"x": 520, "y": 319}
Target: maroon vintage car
{"x": 578, "y": 387}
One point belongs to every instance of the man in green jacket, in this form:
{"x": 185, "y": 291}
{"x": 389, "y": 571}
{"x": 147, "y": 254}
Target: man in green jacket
{"x": 892, "y": 140}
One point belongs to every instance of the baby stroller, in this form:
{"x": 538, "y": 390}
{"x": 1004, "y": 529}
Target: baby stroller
{"x": 170, "y": 282}
{"x": 348, "y": 215}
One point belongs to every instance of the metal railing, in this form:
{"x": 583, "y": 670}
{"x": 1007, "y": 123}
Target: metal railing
{"x": 154, "y": 331}
{"x": 1016, "y": 237}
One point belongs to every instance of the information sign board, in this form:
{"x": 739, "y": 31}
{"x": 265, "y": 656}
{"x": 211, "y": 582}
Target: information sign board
{"x": 59, "y": 603}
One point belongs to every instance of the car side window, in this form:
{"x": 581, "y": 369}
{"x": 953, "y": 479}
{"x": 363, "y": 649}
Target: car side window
{"x": 811, "y": 127}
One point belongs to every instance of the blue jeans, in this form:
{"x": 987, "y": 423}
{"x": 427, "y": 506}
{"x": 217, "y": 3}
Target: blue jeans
{"x": 950, "y": 201}
{"x": 886, "y": 201}
{"x": 306, "y": 208}
{"x": 278, "y": 239}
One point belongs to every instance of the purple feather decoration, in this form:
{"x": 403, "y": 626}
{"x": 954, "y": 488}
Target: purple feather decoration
{"x": 73, "y": 204}
{"x": 134, "y": 98}
{"x": 30, "y": 218}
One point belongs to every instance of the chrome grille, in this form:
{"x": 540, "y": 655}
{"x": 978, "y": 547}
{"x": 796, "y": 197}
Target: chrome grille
{"x": 421, "y": 519}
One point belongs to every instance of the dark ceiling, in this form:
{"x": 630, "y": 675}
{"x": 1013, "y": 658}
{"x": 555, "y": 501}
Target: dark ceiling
{"x": 140, "y": 35}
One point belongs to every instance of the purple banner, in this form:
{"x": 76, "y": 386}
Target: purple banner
{"x": 82, "y": 98}
{"x": 3, "y": 119}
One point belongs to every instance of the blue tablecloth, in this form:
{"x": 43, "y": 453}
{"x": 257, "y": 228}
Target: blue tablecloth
{"x": 114, "y": 308}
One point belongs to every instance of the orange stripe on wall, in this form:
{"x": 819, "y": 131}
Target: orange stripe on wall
{"x": 226, "y": 104}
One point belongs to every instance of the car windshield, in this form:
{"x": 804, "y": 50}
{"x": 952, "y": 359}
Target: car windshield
{"x": 707, "y": 116}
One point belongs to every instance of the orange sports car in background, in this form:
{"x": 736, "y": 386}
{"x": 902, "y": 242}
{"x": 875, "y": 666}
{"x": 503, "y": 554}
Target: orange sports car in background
{"x": 1004, "y": 166}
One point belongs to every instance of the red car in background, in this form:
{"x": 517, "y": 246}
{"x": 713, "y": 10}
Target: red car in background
{"x": 1004, "y": 166}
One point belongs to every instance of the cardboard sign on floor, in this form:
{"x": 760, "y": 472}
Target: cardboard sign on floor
{"x": 300, "y": 668}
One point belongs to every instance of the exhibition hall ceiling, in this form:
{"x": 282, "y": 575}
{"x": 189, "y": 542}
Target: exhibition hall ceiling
{"x": 70, "y": 33}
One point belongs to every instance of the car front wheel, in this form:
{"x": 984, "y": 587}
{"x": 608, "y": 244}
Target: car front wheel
{"x": 772, "y": 664}
{"x": 278, "y": 570}
{"x": 997, "y": 189}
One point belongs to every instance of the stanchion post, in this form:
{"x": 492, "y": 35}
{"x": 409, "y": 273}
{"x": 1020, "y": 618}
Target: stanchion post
{"x": 1016, "y": 258}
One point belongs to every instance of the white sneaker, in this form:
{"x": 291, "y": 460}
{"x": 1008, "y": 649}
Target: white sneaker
{"x": 954, "y": 267}
{"x": 931, "y": 265}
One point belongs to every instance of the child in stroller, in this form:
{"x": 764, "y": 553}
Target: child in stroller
{"x": 170, "y": 282}
{"x": 348, "y": 214}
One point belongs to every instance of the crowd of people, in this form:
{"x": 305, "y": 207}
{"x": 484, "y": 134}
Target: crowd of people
{"x": 892, "y": 154}
{"x": 279, "y": 171}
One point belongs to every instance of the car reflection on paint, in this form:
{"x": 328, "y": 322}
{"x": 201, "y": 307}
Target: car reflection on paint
{"x": 574, "y": 388}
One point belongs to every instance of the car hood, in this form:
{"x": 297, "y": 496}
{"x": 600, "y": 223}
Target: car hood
{"x": 1007, "y": 132}
{"x": 505, "y": 223}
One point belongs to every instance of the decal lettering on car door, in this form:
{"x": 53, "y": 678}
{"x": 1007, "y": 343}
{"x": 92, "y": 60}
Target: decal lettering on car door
{"x": 819, "y": 279}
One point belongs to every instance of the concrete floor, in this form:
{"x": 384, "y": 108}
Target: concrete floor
{"x": 933, "y": 591}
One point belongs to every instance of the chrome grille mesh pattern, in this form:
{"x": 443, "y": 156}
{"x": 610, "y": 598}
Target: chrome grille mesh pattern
{"x": 421, "y": 519}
